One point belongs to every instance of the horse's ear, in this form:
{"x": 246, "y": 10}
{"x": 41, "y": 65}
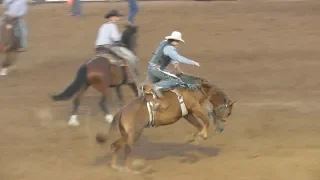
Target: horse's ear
{"x": 232, "y": 103}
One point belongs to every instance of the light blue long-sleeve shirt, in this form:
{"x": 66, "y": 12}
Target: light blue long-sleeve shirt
{"x": 16, "y": 8}
{"x": 171, "y": 51}
{"x": 108, "y": 34}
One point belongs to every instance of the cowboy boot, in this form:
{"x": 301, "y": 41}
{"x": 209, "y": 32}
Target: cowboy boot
{"x": 135, "y": 78}
{"x": 157, "y": 91}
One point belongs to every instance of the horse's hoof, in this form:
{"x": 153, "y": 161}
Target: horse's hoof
{"x": 4, "y": 72}
{"x": 202, "y": 136}
{"x": 109, "y": 118}
{"x": 128, "y": 170}
{"x": 132, "y": 171}
{"x": 219, "y": 129}
{"x": 192, "y": 138}
{"x": 101, "y": 138}
{"x": 73, "y": 121}
{"x": 123, "y": 169}
{"x": 120, "y": 168}
{"x": 138, "y": 164}
{"x": 116, "y": 167}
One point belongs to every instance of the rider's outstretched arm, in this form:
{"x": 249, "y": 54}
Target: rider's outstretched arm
{"x": 173, "y": 54}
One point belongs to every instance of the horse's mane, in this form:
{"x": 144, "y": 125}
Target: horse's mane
{"x": 128, "y": 37}
{"x": 206, "y": 83}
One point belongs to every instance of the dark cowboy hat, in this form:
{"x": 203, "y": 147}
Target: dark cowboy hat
{"x": 113, "y": 13}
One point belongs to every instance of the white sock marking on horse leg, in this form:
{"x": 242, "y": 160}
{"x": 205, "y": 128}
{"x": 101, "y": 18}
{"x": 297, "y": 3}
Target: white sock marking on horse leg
{"x": 4, "y": 72}
{"x": 109, "y": 118}
{"x": 73, "y": 121}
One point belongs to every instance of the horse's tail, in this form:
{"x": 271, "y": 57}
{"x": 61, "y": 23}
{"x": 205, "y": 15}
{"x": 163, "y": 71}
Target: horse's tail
{"x": 101, "y": 138}
{"x": 75, "y": 86}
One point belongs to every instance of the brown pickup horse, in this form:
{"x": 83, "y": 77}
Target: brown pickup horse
{"x": 142, "y": 113}
{"x": 101, "y": 72}
{"x": 9, "y": 43}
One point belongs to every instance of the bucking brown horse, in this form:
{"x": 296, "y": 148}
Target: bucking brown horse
{"x": 148, "y": 111}
{"x": 101, "y": 72}
{"x": 9, "y": 44}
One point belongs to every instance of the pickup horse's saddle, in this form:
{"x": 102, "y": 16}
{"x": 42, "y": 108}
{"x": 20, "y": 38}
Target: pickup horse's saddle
{"x": 111, "y": 56}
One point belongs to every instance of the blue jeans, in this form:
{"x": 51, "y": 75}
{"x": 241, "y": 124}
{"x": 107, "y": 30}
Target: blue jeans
{"x": 22, "y": 32}
{"x": 76, "y": 8}
{"x": 160, "y": 79}
{"x": 133, "y": 10}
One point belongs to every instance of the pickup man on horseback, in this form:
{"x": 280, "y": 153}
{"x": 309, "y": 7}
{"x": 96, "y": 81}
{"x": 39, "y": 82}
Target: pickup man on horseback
{"x": 109, "y": 38}
{"x": 166, "y": 54}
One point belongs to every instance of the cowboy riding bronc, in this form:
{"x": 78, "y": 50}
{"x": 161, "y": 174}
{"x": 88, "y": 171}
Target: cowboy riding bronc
{"x": 166, "y": 54}
{"x": 109, "y": 38}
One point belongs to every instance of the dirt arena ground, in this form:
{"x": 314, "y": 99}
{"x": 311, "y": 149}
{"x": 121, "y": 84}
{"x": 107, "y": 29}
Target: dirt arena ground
{"x": 263, "y": 54}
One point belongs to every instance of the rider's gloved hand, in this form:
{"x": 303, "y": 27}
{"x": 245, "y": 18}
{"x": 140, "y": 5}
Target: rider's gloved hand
{"x": 196, "y": 64}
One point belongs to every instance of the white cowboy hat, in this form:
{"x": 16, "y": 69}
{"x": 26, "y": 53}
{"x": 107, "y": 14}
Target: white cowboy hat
{"x": 175, "y": 36}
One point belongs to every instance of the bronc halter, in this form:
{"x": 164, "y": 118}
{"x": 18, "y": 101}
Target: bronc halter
{"x": 219, "y": 119}
{"x": 218, "y": 110}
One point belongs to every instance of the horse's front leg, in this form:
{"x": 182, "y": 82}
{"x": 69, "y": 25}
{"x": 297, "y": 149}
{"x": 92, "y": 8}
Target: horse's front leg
{"x": 107, "y": 116}
{"x": 194, "y": 121}
{"x": 73, "y": 121}
{"x": 199, "y": 112}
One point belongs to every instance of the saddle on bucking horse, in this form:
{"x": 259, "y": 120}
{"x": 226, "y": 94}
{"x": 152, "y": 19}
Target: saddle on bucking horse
{"x": 156, "y": 104}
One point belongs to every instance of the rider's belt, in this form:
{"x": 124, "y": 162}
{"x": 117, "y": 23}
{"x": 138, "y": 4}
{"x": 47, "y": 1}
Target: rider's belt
{"x": 12, "y": 17}
{"x": 155, "y": 65}
{"x": 106, "y": 46}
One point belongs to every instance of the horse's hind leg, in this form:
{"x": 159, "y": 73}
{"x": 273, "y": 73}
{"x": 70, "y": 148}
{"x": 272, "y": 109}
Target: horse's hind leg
{"x": 133, "y": 136}
{"x": 108, "y": 117}
{"x": 101, "y": 84}
{"x": 73, "y": 121}
{"x": 115, "y": 147}
{"x": 104, "y": 88}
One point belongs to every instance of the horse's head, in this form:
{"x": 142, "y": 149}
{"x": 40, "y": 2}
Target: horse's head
{"x": 129, "y": 37}
{"x": 7, "y": 34}
{"x": 221, "y": 105}
{"x": 222, "y": 109}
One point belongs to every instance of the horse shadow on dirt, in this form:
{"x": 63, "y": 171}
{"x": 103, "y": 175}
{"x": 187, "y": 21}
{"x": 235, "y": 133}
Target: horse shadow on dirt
{"x": 148, "y": 150}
